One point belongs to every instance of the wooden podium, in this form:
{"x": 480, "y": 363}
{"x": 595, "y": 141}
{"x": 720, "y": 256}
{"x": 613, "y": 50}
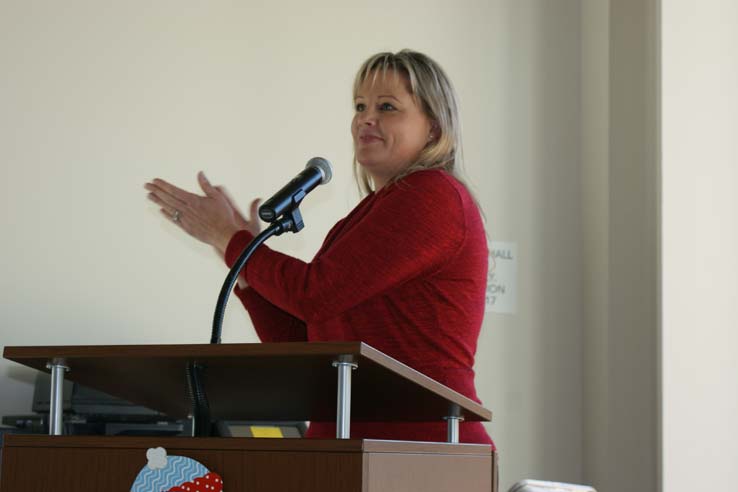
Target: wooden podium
{"x": 282, "y": 381}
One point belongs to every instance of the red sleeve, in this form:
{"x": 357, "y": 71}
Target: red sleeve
{"x": 414, "y": 227}
{"x": 271, "y": 323}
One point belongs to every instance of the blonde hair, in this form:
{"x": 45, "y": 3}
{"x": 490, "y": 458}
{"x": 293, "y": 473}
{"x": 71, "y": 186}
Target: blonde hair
{"x": 433, "y": 92}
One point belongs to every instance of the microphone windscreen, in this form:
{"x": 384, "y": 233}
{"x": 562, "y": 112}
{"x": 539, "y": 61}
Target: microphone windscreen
{"x": 323, "y": 166}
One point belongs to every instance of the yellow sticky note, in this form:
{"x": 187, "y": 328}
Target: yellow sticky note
{"x": 257, "y": 431}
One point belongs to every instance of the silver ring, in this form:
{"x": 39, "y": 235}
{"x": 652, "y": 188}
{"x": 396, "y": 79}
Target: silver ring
{"x": 176, "y": 215}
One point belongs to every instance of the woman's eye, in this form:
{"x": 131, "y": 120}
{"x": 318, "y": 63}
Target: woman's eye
{"x": 360, "y": 107}
{"x": 386, "y": 107}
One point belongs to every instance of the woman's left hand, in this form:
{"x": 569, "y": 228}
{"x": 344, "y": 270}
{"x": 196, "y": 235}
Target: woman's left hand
{"x": 210, "y": 218}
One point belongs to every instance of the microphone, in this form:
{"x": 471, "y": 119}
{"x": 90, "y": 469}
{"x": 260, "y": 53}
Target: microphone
{"x": 317, "y": 171}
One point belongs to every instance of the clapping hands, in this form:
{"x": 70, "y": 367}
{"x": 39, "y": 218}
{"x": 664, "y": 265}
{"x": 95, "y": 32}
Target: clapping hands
{"x": 213, "y": 218}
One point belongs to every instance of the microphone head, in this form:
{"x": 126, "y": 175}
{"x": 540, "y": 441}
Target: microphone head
{"x": 322, "y": 165}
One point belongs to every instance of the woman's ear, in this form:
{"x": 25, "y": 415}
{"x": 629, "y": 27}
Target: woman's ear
{"x": 435, "y": 131}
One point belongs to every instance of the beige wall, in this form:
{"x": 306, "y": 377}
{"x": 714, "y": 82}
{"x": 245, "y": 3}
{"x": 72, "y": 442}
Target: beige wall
{"x": 98, "y": 98}
{"x": 621, "y": 248}
{"x": 659, "y": 174}
{"x": 700, "y": 240}
{"x": 532, "y": 184}
{"x": 595, "y": 212}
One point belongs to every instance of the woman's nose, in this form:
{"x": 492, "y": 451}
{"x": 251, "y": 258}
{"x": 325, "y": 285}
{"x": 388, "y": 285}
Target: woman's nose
{"x": 367, "y": 117}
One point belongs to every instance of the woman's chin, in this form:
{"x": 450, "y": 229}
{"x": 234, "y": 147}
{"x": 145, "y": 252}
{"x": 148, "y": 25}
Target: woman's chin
{"x": 368, "y": 163}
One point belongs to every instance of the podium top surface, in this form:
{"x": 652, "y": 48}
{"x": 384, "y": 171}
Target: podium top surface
{"x": 258, "y": 381}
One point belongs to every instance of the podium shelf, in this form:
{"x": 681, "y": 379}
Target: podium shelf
{"x": 259, "y": 381}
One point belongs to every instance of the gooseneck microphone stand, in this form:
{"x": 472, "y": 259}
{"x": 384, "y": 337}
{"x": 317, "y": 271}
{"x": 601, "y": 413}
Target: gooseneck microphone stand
{"x": 290, "y": 221}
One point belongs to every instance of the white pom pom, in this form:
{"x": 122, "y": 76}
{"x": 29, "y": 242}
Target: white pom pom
{"x": 157, "y": 458}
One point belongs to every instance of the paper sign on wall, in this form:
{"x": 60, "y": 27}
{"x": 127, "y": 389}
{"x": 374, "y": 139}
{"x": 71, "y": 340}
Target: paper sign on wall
{"x": 502, "y": 278}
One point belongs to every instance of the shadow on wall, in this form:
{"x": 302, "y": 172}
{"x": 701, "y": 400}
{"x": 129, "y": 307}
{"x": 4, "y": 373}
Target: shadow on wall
{"x": 21, "y": 374}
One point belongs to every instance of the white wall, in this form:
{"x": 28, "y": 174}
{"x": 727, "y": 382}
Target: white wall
{"x": 98, "y": 98}
{"x": 700, "y": 240}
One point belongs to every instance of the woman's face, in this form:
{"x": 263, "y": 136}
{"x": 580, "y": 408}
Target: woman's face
{"x": 389, "y": 128}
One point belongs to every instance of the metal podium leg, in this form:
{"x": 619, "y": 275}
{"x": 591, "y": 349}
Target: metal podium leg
{"x": 452, "y": 434}
{"x": 56, "y": 403}
{"x": 343, "y": 409}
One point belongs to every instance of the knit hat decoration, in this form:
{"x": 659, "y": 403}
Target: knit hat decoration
{"x": 165, "y": 473}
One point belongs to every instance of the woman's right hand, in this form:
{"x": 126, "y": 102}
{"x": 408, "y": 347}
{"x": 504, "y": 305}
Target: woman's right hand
{"x": 213, "y": 218}
{"x": 250, "y": 223}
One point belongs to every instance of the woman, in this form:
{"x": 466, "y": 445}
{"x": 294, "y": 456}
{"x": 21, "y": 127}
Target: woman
{"x": 405, "y": 271}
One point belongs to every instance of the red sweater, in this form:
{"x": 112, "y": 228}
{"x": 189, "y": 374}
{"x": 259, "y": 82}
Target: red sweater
{"x": 405, "y": 272}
